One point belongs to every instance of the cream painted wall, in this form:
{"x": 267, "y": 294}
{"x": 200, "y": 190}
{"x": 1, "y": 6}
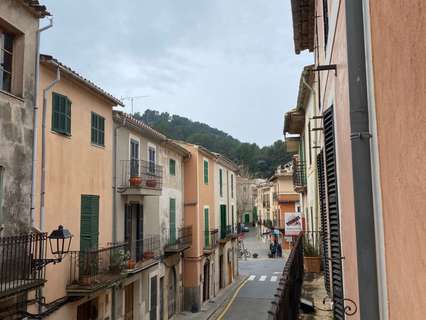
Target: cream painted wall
{"x": 74, "y": 167}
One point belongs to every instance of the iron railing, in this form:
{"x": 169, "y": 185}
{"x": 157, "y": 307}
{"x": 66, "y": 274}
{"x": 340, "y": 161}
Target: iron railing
{"x": 145, "y": 249}
{"x": 285, "y": 305}
{"x": 98, "y": 266}
{"x": 18, "y": 259}
{"x": 141, "y": 174}
{"x": 211, "y": 239}
{"x": 228, "y": 231}
{"x": 299, "y": 174}
{"x": 182, "y": 239}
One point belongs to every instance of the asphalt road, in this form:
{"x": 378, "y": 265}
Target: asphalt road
{"x": 254, "y": 299}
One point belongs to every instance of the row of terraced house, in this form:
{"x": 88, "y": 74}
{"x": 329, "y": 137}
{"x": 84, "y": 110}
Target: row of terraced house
{"x": 102, "y": 217}
{"x": 358, "y": 134}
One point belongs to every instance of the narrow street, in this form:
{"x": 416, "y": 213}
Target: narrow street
{"x": 254, "y": 299}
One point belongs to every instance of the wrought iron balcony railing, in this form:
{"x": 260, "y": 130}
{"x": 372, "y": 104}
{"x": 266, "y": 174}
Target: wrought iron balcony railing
{"x": 180, "y": 241}
{"x": 299, "y": 175}
{"x": 141, "y": 174}
{"x": 94, "y": 269}
{"x": 145, "y": 249}
{"x": 18, "y": 257}
{"x": 211, "y": 239}
{"x": 227, "y": 232}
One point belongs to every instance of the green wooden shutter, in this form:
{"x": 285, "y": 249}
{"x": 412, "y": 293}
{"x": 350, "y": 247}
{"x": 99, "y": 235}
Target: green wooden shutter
{"x": 206, "y": 172}
{"x": 89, "y": 222}
{"x": 232, "y": 185}
{"x": 61, "y": 114}
{"x": 206, "y": 227}
{"x": 223, "y": 221}
{"x": 232, "y": 217}
{"x": 221, "y": 182}
{"x": 172, "y": 219}
{"x": 172, "y": 167}
{"x": 67, "y": 103}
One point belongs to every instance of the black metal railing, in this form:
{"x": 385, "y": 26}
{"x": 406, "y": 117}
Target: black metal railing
{"x": 227, "y": 232}
{"x": 94, "y": 267}
{"x": 141, "y": 174}
{"x": 299, "y": 174}
{"x": 18, "y": 257}
{"x": 286, "y": 301}
{"x": 182, "y": 239}
{"x": 211, "y": 239}
{"x": 145, "y": 249}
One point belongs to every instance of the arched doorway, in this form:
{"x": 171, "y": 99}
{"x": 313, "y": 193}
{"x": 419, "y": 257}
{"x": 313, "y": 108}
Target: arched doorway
{"x": 171, "y": 294}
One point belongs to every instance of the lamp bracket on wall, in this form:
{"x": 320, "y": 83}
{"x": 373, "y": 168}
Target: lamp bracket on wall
{"x": 326, "y": 68}
{"x": 317, "y": 129}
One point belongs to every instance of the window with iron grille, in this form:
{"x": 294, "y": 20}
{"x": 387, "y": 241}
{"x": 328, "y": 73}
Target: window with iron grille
{"x": 333, "y": 214}
{"x": 98, "y": 129}
{"x": 61, "y": 114}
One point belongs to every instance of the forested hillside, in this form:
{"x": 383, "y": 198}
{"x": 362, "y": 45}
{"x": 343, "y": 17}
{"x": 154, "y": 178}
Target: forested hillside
{"x": 259, "y": 162}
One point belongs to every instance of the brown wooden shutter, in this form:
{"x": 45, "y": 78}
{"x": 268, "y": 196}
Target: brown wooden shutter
{"x": 333, "y": 214}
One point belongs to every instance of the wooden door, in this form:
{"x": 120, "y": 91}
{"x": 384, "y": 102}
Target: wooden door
{"x": 153, "y": 299}
{"x": 128, "y": 302}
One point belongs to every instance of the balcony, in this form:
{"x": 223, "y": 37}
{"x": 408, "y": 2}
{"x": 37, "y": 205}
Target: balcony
{"x": 140, "y": 177}
{"x": 299, "y": 175}
{"x": 18, "y": 261}
{"x": 96, "y": 269}
{"x": 227, "y": 232}
{"x": 211, "y": 240}
{"x": 143, "y": 254}
{"x": 179, "y": 242}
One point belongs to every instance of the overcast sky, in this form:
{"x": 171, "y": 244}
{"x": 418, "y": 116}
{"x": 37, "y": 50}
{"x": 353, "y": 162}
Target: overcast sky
{"x": 228, "y": 63}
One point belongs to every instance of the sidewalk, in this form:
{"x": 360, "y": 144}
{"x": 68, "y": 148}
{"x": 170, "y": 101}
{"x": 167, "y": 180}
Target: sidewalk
{"x": 212, "y": 308}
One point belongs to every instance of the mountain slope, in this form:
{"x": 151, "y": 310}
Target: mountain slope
{"x": 259, "y": 162}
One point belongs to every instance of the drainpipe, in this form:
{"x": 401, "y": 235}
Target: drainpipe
{"x": 35, "y": 122}
{"x": 43, "y": 147}
{"x": 361, "y": 163}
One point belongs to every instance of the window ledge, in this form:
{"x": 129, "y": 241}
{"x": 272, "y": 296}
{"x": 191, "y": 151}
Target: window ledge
{"x": 64, "y": 135}
{"x": 97, "y": 145}
{"x": 11, "y": 95}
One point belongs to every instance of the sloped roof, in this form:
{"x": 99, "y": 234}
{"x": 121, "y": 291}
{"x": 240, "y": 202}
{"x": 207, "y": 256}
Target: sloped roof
{"x": 49, "y": 60}
{"x": 303, "y": 24}
{"x": 38, "y": 9}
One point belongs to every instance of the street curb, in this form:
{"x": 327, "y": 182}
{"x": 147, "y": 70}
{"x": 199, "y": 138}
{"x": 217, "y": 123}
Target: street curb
{"x": 218, "y": 310}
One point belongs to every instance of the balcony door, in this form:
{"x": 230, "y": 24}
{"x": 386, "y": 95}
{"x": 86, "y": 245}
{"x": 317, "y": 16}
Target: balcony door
{"x": 152, "y": 159}
{"x": 89, "y": 222}
{"x": 153, "y": 299}
{"x": 223, "y": 220}
{"x": 134, "y": 158}
{"x": 133, "y": 229}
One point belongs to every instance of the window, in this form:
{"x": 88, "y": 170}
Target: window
{"x": 134, "y": 158}
{"x": 151, "y": 159}
{"x": 61, "y": 114}
{"x": 6, "y": 54}
{"x": 98, "y": 129}
{"x": 206, "y": 172}
{"x": 206, "y": 227}
{"x": 221, "y": 182}
{"x": 232, "y": 185}
{"x": 172, "y": 167}
{"x": 325, "y": 20}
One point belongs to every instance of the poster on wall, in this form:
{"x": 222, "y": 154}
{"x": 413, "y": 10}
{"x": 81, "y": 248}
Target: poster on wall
{"x": 293, "y": 223}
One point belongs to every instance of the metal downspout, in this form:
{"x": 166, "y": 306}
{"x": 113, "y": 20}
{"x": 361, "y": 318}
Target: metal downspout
{"x": 43, "y": 148}
{"x": 361, "y": 163}
{"x": 35, "y": 123}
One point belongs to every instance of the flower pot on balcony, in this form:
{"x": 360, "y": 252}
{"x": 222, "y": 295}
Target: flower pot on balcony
{"x": 151, "y": 183}
{"x": 312, "y": 264}
{"x": 135, "y": 181}
{"x": 148, "y": 255}
{"x": 131, "y": 264}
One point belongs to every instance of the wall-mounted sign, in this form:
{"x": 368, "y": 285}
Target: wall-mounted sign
{"x": 293, "y": 223}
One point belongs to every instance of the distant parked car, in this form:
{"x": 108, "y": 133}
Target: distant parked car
{"x": 244, "y": 228}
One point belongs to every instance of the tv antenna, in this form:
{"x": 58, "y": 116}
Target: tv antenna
{"x": 132, "y": 99}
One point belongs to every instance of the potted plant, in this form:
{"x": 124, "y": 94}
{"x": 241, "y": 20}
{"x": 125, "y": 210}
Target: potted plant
{"x": 135, "y": 181}
{"x": 119, "y": 260}
{"x": 311, "y": 258}
{"x": 131, "y": 264}
{"x": 148, "y": 255}
{"x": 151, "y": 183}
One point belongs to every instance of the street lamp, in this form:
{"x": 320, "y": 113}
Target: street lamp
{"x": 60, "y": 242}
